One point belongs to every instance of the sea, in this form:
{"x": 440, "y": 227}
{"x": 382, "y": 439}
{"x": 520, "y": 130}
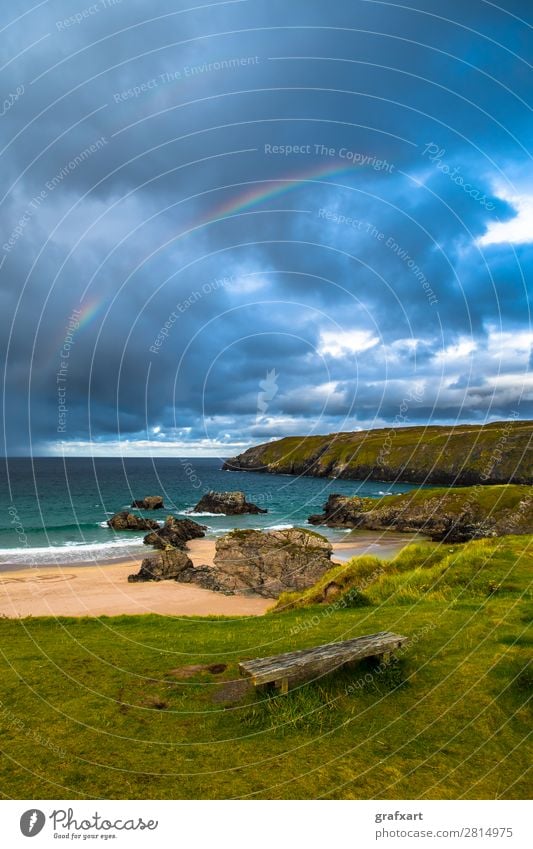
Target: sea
{"x": 55, "y": 510}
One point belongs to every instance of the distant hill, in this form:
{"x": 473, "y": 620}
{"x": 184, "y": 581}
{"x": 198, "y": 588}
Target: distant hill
{"x": 494, "y": 453}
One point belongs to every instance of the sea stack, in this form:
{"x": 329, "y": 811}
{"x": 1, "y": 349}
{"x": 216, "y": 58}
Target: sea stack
{"x": 126, "y": 521}
{"x": 227, "y": 504}
{"x": 150, "y": 502}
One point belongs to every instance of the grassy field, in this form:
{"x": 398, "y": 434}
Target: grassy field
{"x": 111, "y": 708}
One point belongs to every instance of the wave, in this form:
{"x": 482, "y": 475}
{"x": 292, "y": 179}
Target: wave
{"x": 190, "y": 512}
{"x": 278, "y": 527}
{"x": 71, "y": 551}
{"x": 49, "y": 529}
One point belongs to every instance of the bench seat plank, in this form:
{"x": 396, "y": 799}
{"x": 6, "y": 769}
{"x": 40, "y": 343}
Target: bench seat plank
{"x": 306, "y": 663}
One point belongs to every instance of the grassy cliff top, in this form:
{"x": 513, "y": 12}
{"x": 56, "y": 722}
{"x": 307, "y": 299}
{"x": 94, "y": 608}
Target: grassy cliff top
{"x": 490, "y": 501}
{"x": 493, "y": 453}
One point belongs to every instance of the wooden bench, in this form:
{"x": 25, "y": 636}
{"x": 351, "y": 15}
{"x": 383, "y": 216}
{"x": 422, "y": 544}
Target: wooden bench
{"x": 295, "y": 667}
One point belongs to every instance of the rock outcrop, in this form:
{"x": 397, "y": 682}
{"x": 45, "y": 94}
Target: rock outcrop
{"x": 175, "y": 532}
{"x": 126, "y": 521}
{"x": 264, "y": 562}
{"x": 206, "y": 577}
{"x": 496, "y": 453}
{"x": 343, "y": 511}
{"x": 227, "y": 504}
{"x": 455, "y": 514}
{"x": 151, "y": 502}
{"x": 165, "y": 566}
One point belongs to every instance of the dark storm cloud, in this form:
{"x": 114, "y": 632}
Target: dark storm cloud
{"x": 134, "y": 141}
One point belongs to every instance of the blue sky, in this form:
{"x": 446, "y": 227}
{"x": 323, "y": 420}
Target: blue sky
{"x": 223, "y": 223}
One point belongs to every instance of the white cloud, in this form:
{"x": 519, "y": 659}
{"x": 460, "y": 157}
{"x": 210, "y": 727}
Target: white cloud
{"x": 459, "y": 351}
{"x": 517, "y": 230}
{"x": 339, "y": 343}
{"x": 145, "y": 448}
{"x": 515, "y": 345}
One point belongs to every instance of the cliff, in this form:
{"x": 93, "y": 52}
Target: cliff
{"x": 495, "y": 453}
{"x": 455, "y": 515}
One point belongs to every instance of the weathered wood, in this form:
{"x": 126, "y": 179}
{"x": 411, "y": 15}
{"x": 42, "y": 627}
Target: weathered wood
{"x": 293, "y": 667}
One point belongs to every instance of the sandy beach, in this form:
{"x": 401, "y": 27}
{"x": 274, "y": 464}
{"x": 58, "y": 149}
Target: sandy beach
{"x": 103, "y": 589}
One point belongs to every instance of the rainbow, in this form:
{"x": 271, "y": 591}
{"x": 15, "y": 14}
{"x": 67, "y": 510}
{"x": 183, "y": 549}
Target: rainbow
{"x": 253, "y": 195}
{"x": 88, "y": 312}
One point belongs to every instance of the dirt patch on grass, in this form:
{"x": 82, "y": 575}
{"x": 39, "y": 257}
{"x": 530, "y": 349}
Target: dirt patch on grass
{"x": 194, "y": 669}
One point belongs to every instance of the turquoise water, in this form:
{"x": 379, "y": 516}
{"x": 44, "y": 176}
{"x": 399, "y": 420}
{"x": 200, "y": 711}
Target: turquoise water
{"x": 55, "y": 511}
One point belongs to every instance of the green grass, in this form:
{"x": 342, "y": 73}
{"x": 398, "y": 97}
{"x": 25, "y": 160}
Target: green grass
{"x": 428, "y": 571}
{"x": 497, "y": 453}
{"x": 483, "y": 501}
{"x": 92, "y": 708}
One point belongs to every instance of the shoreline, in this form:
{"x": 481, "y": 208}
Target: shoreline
{"x": 102, "y": 589}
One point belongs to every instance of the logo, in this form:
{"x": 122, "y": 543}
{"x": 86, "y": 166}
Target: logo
{"x": 270, "y": 390}
{"x": 32, "y": 822}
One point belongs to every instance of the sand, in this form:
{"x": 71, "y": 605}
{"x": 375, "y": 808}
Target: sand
{"x": 103, "y": 590}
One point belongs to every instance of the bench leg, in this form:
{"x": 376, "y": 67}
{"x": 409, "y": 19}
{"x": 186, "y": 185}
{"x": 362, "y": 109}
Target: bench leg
{"x": 383, "y": 658}
{"x": 283, "y": 686}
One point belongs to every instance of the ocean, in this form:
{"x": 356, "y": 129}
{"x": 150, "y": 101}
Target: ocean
{"x": 54, "y": 510}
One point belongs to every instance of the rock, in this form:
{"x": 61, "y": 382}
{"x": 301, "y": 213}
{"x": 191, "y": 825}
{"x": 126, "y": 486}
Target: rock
{"x": 151, "y": 502}
{"x": 126, "y": 521}
{"x": 165, "y": 566}
{"x": 341, "y": 511}
{"x": 175, "y": 532}
{"x": 226, "y": 503}
{"x": 264, "y": 562}
{"x": 206, "y": 577}
{"x": 455, "y": 514}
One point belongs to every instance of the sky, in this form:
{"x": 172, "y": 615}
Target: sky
{"x": 223, "y": 223}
